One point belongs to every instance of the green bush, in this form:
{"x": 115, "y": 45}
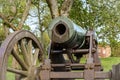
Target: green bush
{"x": 2, "y": 34}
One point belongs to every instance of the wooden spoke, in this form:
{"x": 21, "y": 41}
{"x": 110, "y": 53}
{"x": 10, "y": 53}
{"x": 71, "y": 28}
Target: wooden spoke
{"x": 19, "y": 60}
{"x": 18, "y": 47}
{"x": 23, "y": 73}
{"x": 36, "y": 56}
{"x": 15, "y": 64}
{"x": 30, "y": 53}
{"x": 24, "y": 52}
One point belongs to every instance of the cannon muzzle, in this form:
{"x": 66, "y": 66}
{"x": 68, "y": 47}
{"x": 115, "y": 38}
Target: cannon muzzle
{"x": 66, "y": 33}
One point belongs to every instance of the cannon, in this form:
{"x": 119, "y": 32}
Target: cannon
{"x": 64, "y": 32}
{"x": 67, "y": 37}
{"x": 69, "y": 43}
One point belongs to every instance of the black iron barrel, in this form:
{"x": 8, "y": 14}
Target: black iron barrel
{"x": 66, "y": 33}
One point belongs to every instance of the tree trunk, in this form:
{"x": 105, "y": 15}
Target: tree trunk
{"x": 53, "y": 8}
{"x": 66, "y": 6}
{"x": 25, "y": 14}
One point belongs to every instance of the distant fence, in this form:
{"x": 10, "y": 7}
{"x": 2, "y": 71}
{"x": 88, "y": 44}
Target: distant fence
{"x": 104, "y": 52}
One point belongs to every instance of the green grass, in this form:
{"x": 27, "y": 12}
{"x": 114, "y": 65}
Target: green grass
{"x": 108, "y": 62}
{"x": 10, "y": 76}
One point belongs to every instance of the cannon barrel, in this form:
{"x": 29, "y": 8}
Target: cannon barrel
{"x": 66, "y": 33}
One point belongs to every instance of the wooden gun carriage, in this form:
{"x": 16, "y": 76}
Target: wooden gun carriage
{"x": 69, "y": 44}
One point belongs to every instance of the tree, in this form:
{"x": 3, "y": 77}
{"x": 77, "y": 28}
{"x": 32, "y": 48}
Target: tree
{"x": 2, "y": 36}
{"x": 39, "y": 17}
{"x": 14, "y": 13}
{"x": 100, "y": 15}
{"x": 63, "y": 10}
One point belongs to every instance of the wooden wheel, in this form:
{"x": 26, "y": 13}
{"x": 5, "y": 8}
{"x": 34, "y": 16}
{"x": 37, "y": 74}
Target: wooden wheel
{"x": 25, "y": 49}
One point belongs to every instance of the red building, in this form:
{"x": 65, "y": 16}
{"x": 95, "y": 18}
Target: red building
{"x": 104, "y": 52}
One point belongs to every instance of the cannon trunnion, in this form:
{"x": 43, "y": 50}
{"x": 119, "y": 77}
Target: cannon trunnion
{"x": 69, "y": 44}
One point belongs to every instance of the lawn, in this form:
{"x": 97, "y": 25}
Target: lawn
{"x": 106, "y": 63}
